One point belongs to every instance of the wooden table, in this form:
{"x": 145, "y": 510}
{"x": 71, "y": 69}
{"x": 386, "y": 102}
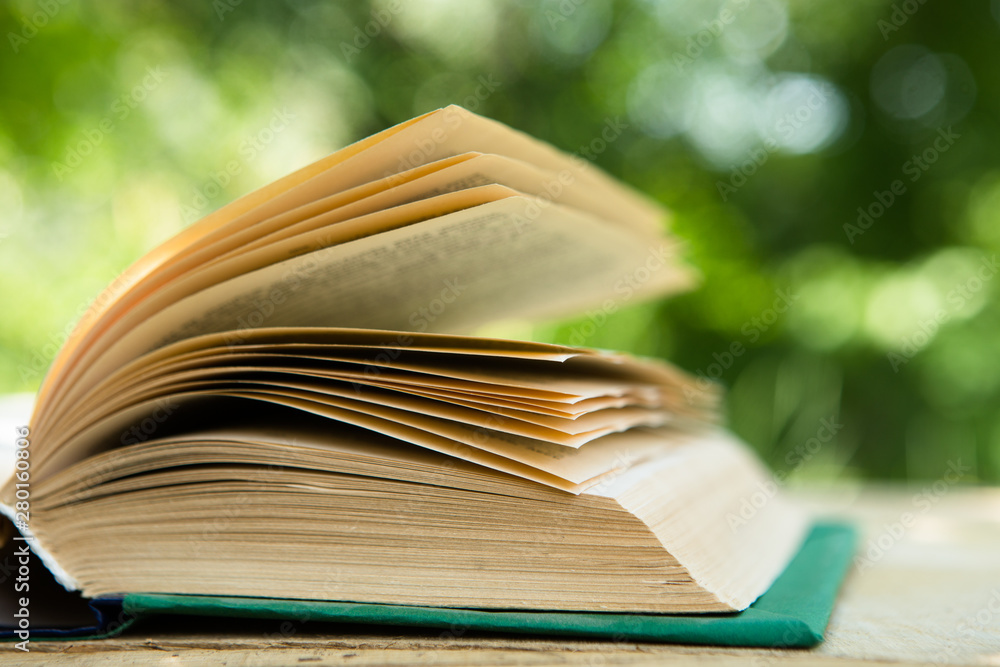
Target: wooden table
{"x": 925, "y": 593}
{"x": 925, "y": 589}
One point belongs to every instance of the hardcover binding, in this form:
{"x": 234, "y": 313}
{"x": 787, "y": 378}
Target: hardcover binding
{"x": 793, "y": 613}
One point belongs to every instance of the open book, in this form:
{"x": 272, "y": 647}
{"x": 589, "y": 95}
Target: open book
{"x": 285, "y": 401}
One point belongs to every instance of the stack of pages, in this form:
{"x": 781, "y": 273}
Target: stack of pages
{"x": 287, "y": 401}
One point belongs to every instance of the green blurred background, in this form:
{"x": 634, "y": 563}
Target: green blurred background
{"x": 833, "y": 165}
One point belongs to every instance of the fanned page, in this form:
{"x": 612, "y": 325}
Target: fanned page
{"x": 289, "y": 192}
{"x": 354, "y": 502}
{"x": 561, "y": 416}
{"x": 381, "y": 160}
{"x": 453, "y": 272}
{"x": 307, "y": 348}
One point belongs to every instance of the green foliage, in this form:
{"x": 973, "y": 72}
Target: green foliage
{"x": 831, "y": 165}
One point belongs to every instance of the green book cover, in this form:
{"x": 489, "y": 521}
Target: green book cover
{"x": 793, "y": 613}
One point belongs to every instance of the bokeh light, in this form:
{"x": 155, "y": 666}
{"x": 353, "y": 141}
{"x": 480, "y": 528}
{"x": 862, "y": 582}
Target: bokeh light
{"x": 830, "y": 165}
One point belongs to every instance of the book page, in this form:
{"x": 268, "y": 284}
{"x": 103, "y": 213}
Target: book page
{"x": 418, "y": 373}
{"x": 227, "y": 258}
{"x": 451, "y": 274}
{"x": 342, "y": 390}
{"x": 95, "y": 440}
{"x": 311, "y": 444}
{"x": 434, "y": 136}
{"x": 286, "y": 193}
{"x": 460, "y": 172}
{"x": 114, "y": 330}
{"x": 576, "y": 466}
{"x": 303, "y": 229}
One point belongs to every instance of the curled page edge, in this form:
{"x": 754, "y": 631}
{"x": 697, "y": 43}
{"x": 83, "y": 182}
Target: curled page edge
{"x": 63, "y": 577}
{"x": 15, "y": 410}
